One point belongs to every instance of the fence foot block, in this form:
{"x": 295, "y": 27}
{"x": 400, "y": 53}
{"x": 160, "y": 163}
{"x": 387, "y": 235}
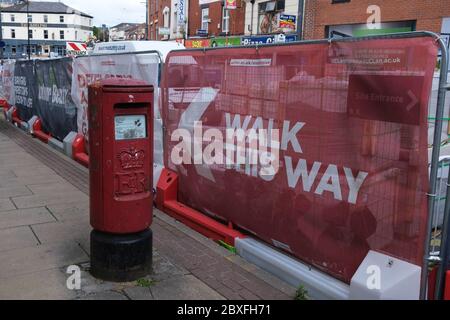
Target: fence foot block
{"x": 167, "y": 201}
{"x": 78, "y": 151}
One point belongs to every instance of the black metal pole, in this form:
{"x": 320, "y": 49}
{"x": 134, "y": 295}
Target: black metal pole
{"x": 300, "y": 18}
{"x": 146, "y": 19}
{"x": 1, "y": 33}
{"x": 28, "y": 27}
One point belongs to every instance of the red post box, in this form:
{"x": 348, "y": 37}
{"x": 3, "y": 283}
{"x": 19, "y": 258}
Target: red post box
{"x": 121, "y": 178}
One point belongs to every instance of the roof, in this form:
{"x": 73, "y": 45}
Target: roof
{"x": 124, "y": 25}
{"x": 45, "y": 7}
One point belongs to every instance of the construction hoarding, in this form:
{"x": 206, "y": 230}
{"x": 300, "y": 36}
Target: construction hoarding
{"x": 351, "y": 167}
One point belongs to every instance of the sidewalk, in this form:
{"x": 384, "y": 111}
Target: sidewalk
{"x": 44, "y": 228}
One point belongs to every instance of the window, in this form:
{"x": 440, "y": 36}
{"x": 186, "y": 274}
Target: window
{"x": 61, "y": 19}
{"x": 13, "y": 18}
{"x": 175, "y": 22}
{"x": 45, "y": 34}
{"x": 76, "y": 35}
{"x": 30, "y": 18}
{"x": 14, "y": 50}
{"x": 205, "y": 19}
{"x": 225, "y": 20}
{"x": 268, "y": 15}
{"x": 61, "y": 34}
{"x": 45, "y": 18}
{"x": 13, "y": 33}
{"x": 30, "y": 34}
{"x": 61, "y": 51}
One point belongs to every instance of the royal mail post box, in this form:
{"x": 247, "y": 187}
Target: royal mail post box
{"x": 121, "y": 178}
{"x": 121, "y": 155}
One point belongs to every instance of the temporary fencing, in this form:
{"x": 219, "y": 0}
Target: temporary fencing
{"x": 352, "y": 116}
{"x": 353, "y": 170}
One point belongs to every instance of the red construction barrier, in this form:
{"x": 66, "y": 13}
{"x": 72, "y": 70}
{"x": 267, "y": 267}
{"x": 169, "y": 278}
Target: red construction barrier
{"x": 352, "y": 121}
{"x": 79, "y": 151}
{"x": 5, "y": 109}
{"x": 167, "y": 201}
{"x": 432, "y": 277}
{"x": 3, "y": 104}
{"x": 447, "y": 287}
{"x": 15, "y": 117}
{"x": 38, "y": 133}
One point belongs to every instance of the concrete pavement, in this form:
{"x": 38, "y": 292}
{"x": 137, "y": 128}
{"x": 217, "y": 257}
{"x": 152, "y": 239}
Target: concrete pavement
{"x": 44, "y": 228}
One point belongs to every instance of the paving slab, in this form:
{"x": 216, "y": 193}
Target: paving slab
{"x": 139, "y": 293}
{"x": 40, "y": 285}
{"x": 108, "y": 295}
{"x": 184, "y": 288}
{"x": 32, "y": 201}
{"x": 20, "y": 262}
{"x": 56, "y": 231}
{"x": 25, "y": 217}
{"x": 66, "y": 212}
{"x": 6, "y": 205}
{"x": 11, "y": 192}
{"x": 17, "y": 238}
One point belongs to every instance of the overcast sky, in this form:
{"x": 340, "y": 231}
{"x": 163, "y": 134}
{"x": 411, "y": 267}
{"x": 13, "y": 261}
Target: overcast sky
{"x": 110, "y": 12}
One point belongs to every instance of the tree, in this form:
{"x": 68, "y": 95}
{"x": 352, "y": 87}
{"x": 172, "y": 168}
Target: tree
{"x": 95, "y": 30}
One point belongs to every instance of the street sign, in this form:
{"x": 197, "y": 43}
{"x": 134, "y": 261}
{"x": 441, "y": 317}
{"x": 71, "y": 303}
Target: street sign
{"x": 202, "y": 33}
{"x": 390, "y": 98}
{"x": 2, "y": 44}
{"x": 164, "y": 31}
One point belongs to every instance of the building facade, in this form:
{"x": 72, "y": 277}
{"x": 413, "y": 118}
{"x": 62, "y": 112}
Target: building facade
{"x": 272, "y": 17}
{"x": 212, "y": 18}
{"x": 8, "y": 3}
{"x": 127, "y": 31}
{"x": 47, "y": 25}
{"x": 349, "y": 17}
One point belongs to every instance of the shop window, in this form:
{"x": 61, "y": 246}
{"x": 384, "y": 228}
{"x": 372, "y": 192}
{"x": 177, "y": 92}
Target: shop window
{"x": 268, "y": 15}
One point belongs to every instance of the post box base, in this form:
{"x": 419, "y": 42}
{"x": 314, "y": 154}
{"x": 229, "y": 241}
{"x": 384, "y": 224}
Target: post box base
{"x": 121, "y": 258}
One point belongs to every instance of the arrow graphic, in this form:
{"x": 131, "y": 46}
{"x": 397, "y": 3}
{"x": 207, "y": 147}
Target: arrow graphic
{"x": 414, "y": 101}
{"x": 194, "y": 113}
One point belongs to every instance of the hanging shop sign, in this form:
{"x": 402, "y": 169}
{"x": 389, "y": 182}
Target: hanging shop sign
{"x": 288, "y": 22}
{"x": 230, "y": 4}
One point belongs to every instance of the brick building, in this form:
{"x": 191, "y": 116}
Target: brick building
{"x": 210, "y": 18}
{"x": 159, "y": 18}
{"x": 349, "y": 17}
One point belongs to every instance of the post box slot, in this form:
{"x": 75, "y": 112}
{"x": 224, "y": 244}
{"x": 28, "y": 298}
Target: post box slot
{"x": 131, "y": 105}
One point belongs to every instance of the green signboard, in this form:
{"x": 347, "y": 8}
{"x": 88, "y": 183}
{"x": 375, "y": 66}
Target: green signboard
{"x": 225, "y": 42}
